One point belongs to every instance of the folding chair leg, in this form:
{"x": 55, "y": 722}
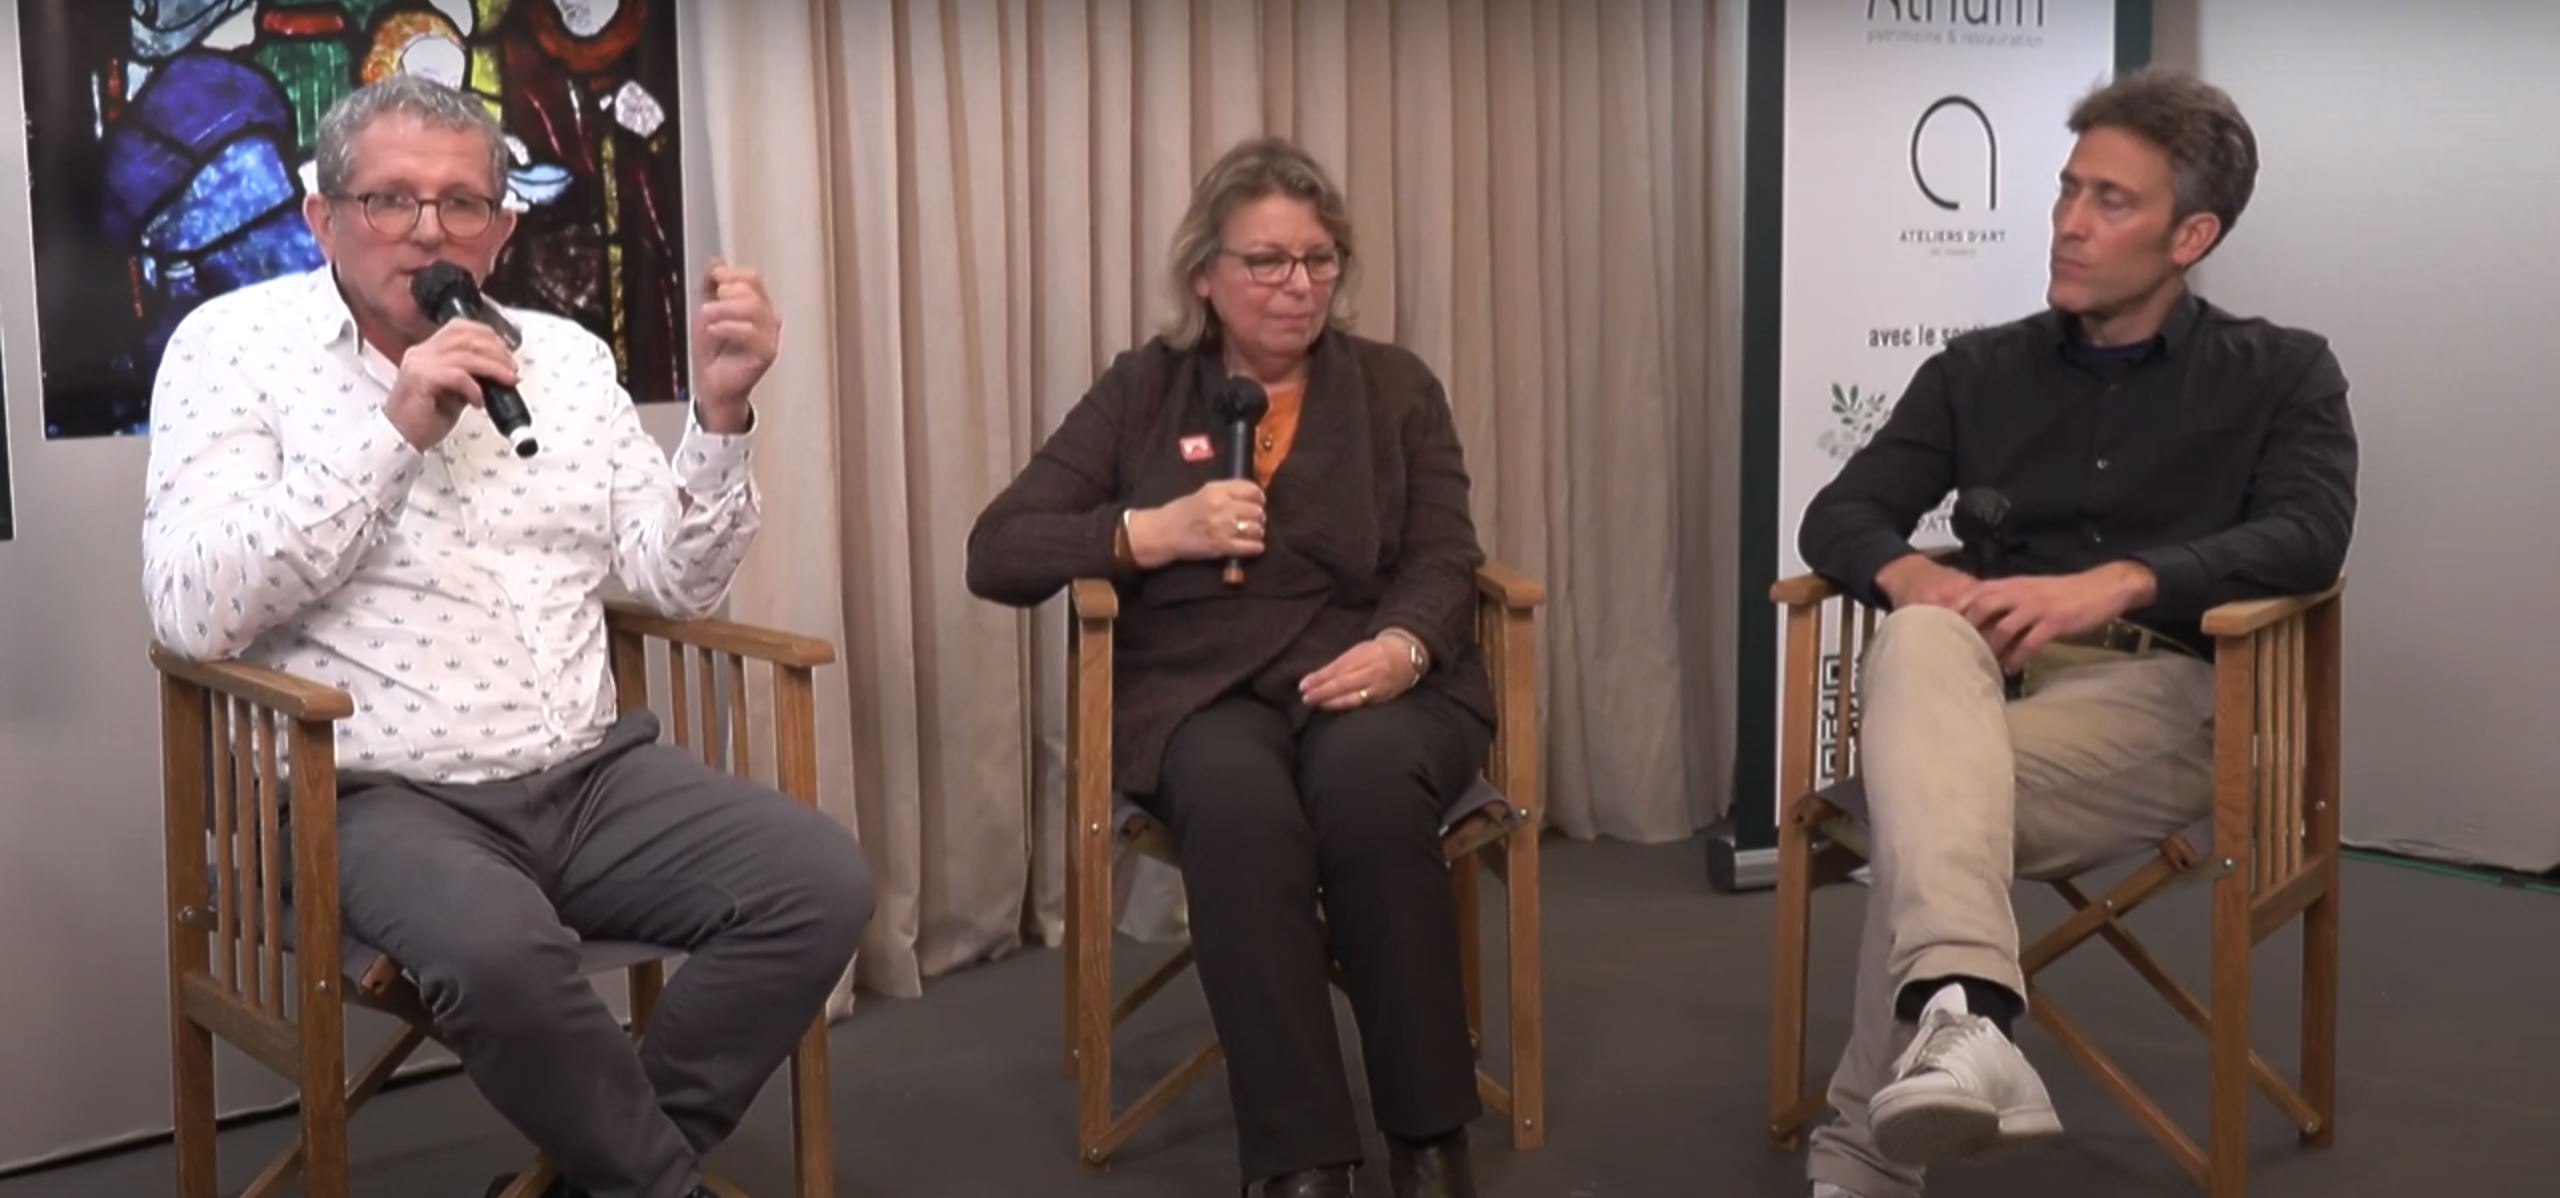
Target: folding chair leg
{"x": 324, "y": 1134}
{"x": 2320, "y": 1011}
{"x": 2111, "y": 1077}
{"x": 1092, "y": 971}
{"x": 1071, "y": 993}
{"x": 1787, "y": 999}
{"x": 2228, "y": 1144}
{"x": 1528, "y": 1032}
{"x": 320, "y": 1025}
{"x": 394, "y": 1052}
{"x": 191, "y": 1073}
{"x": 813, "y": 1148}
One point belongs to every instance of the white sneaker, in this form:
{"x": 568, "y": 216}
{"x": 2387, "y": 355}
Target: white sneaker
{"x": 1960, "y": 1088}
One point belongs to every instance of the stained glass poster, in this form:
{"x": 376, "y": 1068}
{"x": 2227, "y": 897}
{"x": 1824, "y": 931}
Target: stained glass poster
{"x": 171, "y": 142}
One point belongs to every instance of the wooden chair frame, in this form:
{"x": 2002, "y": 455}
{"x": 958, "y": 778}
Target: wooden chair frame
{"x": 228, "y": 971}
{"x": 1506, "y": 610}
{"x": 2274, "y": 856}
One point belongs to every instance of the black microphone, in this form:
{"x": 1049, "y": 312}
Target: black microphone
{"x": 1982, "y": 525}
{"x": 1238, "y": 404}
{"x": 446, "y": 293}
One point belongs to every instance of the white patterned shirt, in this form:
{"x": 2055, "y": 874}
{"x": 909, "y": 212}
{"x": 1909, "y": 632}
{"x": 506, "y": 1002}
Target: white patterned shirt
{"x": 456, "y": 594}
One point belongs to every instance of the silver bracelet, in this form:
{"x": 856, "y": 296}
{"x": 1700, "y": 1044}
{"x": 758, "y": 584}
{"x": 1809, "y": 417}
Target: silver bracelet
{"x": 1416, "y": 653}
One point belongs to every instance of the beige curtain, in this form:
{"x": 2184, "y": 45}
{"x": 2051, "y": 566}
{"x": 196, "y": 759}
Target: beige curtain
{"x": 963, "y": 207}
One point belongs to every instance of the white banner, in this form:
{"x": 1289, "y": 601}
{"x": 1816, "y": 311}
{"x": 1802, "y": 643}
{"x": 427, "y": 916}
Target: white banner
{"x": 1923, "y": 139}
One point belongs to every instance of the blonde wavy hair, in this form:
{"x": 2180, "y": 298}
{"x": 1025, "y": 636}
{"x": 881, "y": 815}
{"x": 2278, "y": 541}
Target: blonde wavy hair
{"x": 1259, "y": 167}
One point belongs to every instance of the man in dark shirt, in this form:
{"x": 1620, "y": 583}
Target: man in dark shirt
{"x": 2159, "y": 456}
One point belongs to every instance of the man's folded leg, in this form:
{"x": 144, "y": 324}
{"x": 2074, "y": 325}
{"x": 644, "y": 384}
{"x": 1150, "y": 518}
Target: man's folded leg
{"x": 767, "y": 896}
{"x": 1964, "y": 789}
{"x": 455, "y": 901}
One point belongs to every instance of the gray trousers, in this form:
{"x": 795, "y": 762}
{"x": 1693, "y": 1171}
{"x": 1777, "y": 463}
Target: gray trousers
{"x": 2105, "y": 756}
{"x": 483, "y": 892}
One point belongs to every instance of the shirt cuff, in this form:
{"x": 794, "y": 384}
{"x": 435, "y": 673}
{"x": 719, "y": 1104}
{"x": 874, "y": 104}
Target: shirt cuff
{"x": 710, "y": 463}
{"x": 2180, "y": 581}
{"x": 1866, "y": 558}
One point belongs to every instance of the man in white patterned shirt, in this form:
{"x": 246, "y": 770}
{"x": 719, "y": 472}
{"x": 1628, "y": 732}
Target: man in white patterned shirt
{"x": 326, "y": 497}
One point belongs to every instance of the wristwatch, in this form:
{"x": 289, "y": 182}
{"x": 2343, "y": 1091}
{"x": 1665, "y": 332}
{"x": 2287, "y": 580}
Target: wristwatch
{"x": 1414, "y": 652}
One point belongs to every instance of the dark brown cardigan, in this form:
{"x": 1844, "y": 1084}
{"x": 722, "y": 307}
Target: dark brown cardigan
{"x": 1369, "y": 529}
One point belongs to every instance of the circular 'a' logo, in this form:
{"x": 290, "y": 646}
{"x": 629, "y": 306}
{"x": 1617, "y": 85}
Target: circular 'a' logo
{"x": 1990, "y": 142}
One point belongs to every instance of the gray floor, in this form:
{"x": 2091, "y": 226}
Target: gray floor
{"x": 1657, "y": 1001}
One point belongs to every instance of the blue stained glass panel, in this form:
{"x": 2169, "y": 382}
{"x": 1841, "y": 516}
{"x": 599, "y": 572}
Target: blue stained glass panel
{"x": 245, "y": 180}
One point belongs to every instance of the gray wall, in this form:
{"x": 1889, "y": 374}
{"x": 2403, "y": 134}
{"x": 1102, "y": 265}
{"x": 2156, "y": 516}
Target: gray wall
{"x": 2405, "y": 208}
{"x": 86, "y": 1049}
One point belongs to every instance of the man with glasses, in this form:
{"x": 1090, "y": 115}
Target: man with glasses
{"x": 325, "y": 498}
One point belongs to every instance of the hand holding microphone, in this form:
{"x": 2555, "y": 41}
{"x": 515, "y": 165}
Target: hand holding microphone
{"x": 465, "y": 362}
{"x": 1239, "y": 406}
{"x": 1223, "y": 519}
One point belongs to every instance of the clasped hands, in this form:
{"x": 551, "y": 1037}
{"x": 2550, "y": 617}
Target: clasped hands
{"x": 2018, "y": 616}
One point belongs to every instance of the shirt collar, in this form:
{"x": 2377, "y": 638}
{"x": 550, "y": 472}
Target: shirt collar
{"x": 324, "y": 309}
{"x": 2176, "y": 332}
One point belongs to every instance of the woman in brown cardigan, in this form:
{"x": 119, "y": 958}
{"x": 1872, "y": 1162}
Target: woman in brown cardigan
{"x": 1299, "y": 733}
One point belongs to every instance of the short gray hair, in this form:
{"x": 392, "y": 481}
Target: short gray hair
{"x": 1255, "y": 168}
{"x": 433, "y": 103}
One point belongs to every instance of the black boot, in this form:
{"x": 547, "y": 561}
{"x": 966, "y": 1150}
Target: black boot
{"x": 1331, "y": 1181}
{"x": 1434, "y": 1168}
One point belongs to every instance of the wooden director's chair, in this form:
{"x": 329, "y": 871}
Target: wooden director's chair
{"x": 2274, "y": 856}
{"x": 234, "y": 925}
{"x": 1502, "y": 811}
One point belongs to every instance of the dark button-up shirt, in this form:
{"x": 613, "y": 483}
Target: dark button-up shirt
{"x": 2220, "y": 454}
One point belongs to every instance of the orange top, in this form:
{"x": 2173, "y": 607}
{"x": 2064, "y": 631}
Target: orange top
{"x": 1279, "y": 428}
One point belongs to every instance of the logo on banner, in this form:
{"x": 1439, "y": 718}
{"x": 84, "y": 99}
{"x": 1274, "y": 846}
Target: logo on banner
{"x": 1857, "y": 418}
{"x": 1935, "y": 176}
{"x": 1980, "y": 23}
{"x": 1990, "y": 153}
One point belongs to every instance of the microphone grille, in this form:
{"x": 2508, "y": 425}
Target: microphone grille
{"x": 1984, "y": 506}
{"x": 441, "y": 282}
{"x": 1240, "y": 400}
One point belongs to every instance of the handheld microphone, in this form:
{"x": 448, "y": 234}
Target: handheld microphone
{"x": 446, "y": 293}
{"x": 1982, "y": 526}
{"x": 1238, "y": 404}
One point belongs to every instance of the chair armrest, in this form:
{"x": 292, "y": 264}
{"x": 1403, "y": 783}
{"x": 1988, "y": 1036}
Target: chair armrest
{"x": 295, "y": 697}
{"x": 2246, "y": 616}
{"x": 1803, "y": 590}
{"x": 1094, "y": 599}
{"x": 721, "y": 636}
{"x": 1508, "y": 587}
